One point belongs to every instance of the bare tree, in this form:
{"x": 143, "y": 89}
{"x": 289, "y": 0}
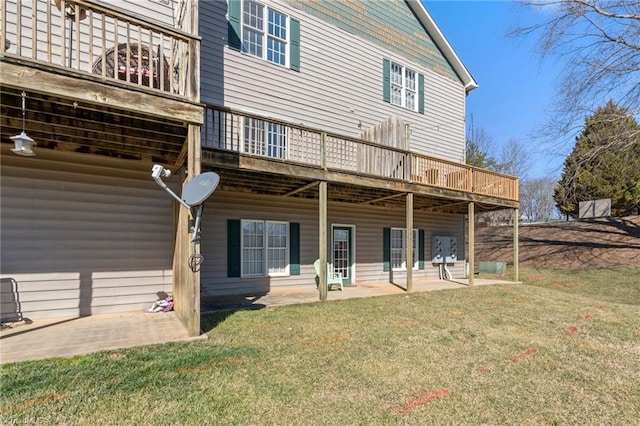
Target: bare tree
{"x": 478, "y": 149}
{"x": 599, "y": 42}
{"x": 536, "y": 199}
{"x": 515, "y": 159}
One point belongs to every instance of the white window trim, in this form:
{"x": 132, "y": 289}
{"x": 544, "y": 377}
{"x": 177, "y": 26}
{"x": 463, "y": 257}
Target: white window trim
{"x": 265, "y": 34}
{"x": 287, "y": 249}
{"x": 353, "y": 246}
{"x": 416, "y": 264}
{"x": 265, "y": 248}
{"x": 404, "y": 88}
{"x": 264, "y": 131}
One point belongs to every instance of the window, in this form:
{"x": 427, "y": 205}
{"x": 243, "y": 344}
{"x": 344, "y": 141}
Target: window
{"x": 277, "y": 248}
{"x": 258, "y": 30}
{"x": 252, "y": 247}
{"x": 265, "y": 138}
{"x": 265, "y": 248}
{"x": 264, "y": 32}
{"x": 403, "y": 86}
{"x": 399, "y": 249}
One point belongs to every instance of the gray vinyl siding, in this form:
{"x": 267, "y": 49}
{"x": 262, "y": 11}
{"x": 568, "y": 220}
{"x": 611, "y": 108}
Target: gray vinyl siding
{"x": 214, "y": 32}
{"x": 162, "y": 11}
{"x": 338, "y": 89}
{"x": 81, "y": 239}
{"x": 390, "y": 24}
{"x": 369, "y": 223}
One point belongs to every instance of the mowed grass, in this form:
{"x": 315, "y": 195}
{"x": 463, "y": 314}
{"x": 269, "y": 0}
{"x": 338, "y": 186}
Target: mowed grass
{"x": 563, "y": 348}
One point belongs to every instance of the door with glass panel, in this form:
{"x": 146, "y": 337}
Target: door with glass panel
{"x": 342, "y": 252}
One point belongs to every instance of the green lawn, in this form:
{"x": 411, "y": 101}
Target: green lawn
{"x": 562, "y": 349}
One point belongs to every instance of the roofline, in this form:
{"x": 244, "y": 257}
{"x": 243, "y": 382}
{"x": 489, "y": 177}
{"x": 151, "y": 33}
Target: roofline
{"x": 443, "y": 44}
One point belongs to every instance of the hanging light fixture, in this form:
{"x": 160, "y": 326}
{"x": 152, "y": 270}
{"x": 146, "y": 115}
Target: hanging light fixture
{"x": 23, "y": 142}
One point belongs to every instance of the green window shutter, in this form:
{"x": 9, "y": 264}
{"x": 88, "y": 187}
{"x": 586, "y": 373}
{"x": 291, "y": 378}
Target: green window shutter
{"x": 386, "y": 80}
{"x": 420, "y": 248}
{"x": 421, "y": 93}
{"x": 386, "y": 249}
{"x": 234, "y": 248}
{"x": 235, "y": 12}
{"x": 294, "y": 52}
{"x": 294, "y": 250}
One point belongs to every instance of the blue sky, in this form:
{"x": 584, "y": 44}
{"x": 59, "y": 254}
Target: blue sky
{"x": 516, "y": 86}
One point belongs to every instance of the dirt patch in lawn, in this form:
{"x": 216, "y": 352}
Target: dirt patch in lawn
{"x": 596, "y": 243}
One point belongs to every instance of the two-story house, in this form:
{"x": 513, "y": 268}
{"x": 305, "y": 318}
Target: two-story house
{"x": 337, "y": 130}
{"x": 335, "y": 127}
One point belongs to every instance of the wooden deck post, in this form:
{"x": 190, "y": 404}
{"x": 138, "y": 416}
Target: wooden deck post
{"x": 516, "y": 249}
{"x": 186, "y": 283}
{"x": 409, "y": 239}
{"x": 472, "y": 232}
{"x": 322, "y": 240}
{"x": 323, "y": 150}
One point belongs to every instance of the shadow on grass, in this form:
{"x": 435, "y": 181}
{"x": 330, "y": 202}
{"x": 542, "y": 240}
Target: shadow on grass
{"x": 216, "y": 310}
{"x": 612, "y": 285}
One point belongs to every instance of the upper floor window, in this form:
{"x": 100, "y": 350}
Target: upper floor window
{"x": 403, "y": 86}
{"x": 264, "y": 32}
{"x": 258, "y": 30}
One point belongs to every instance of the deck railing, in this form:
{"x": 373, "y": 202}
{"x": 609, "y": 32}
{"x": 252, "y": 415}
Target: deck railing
{"x": 88, "y": 37}
{"x": 260, "y": 136}
{"x": 494, "y": 184}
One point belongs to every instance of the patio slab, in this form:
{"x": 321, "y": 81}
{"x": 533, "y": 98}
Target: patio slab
{"x": 293, "y": 295}
{"x": 77, "y": 336}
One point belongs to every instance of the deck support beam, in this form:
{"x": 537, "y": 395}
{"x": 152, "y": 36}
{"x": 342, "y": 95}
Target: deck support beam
{"x": 322, "y": 240}
{"x": 302, "y": 188}
{"x": 186, "y": 283}
{"x": 516, "y": 248}
{"x": 472, "y": 237}
{"x": 92, "y": 90}
{"x": 409, "y": 240}
{"x": 388, "y": 197}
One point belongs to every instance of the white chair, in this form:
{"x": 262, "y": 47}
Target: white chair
{"x": 333, "y": 278}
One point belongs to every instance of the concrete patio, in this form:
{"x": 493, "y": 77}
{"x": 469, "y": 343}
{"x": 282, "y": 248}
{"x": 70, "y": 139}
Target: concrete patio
{"x": 76, "y": 336}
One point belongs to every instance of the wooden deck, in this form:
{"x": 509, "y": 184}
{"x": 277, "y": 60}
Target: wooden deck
{"x": 287, "y": 143}
{"x": 103, "y": 41}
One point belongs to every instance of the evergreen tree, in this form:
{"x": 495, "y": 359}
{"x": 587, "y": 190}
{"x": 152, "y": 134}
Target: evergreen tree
{"x": 478, "y": 157}
{"x": 594, "y": 171}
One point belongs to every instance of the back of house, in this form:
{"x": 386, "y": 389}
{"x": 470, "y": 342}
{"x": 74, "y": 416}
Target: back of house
{"x": 336, "y": 127}
{"x": 294, "y": 89}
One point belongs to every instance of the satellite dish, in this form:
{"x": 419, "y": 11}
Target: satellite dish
{"x": 194, "y": 194}
{"x": 200, "y": 188}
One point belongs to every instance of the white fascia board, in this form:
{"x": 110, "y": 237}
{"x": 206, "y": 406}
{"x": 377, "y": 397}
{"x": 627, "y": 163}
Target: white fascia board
{"x": 443, "y": 44}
